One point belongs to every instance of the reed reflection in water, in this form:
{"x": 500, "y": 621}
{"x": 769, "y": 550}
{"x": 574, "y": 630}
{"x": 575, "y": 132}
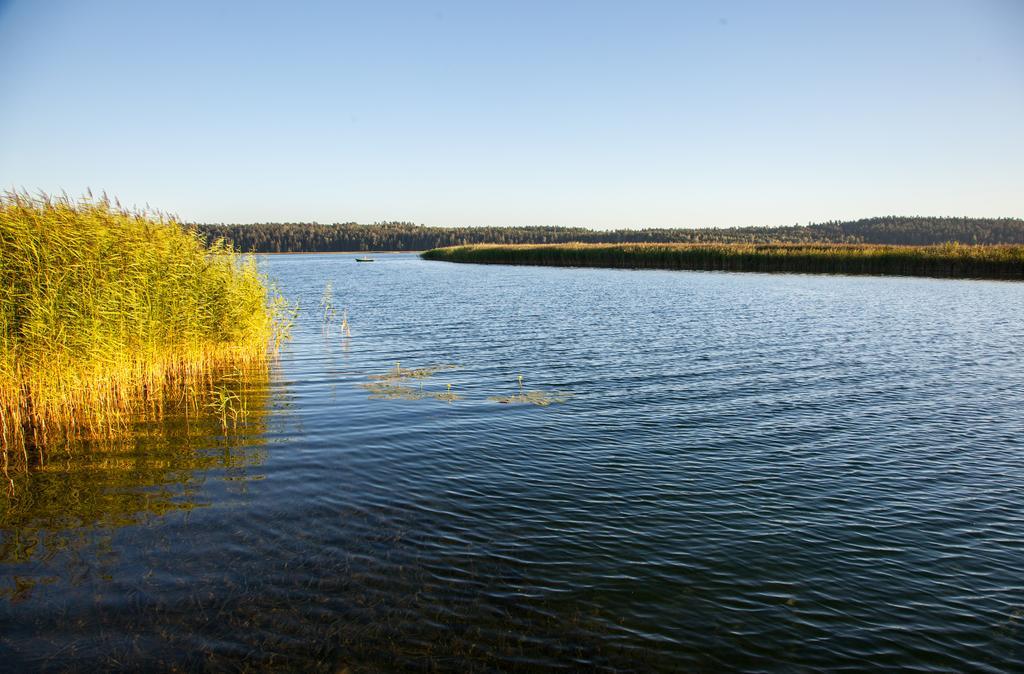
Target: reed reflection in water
{"x": 65, "y": 500}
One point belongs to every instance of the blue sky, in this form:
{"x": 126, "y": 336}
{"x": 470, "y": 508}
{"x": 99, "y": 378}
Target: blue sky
{"x": 602, "y": 114}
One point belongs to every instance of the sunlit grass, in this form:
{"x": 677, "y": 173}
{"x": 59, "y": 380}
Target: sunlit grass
{"x": 951, "y": 260}
{"x": 107, "y": 314}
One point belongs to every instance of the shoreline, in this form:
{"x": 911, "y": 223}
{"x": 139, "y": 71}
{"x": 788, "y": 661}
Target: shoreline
{"x": 997, "y": 262}
{"x": 342, "y": 252}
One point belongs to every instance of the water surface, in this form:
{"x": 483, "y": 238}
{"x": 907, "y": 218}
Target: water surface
{"x": 770, "y": 472}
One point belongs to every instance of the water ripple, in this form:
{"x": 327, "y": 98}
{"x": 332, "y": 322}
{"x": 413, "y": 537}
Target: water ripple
{"x": 755, "y": 472}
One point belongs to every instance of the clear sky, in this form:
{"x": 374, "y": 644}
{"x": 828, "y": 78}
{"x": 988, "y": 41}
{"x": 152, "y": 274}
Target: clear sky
{"x": 603, "y": 114}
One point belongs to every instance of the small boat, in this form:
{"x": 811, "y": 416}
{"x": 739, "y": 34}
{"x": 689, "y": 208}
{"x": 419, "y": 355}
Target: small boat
{"x": 364, "y": 259}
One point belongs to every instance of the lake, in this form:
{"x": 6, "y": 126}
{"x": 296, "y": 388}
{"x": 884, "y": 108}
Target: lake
{"x": 736, "y": 471}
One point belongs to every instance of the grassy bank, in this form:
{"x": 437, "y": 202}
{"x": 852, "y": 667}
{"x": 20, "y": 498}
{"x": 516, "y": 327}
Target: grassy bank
{"x": 949, "y": 260}
{"x": 107, "y": 314}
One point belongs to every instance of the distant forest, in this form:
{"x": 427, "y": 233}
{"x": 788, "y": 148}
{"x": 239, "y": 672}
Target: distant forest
{"x": 298, "y": 237}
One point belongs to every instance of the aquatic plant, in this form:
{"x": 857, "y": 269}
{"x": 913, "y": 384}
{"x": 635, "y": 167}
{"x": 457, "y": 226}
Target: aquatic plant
{"x": 388, "y": 390}
{"x": 398, "y": 372}
{"x": 947, "y": 260}
{"x": 107, "y": 314}
{"x": 327, "y": 303}
{"x": 539, "y": 398}
{"x": 447, "y": 395}
{"x": 229, "y": 406}
{"x": 393, "y": 384}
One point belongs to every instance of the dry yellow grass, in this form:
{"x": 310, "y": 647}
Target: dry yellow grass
{"x": 108, "y": 314}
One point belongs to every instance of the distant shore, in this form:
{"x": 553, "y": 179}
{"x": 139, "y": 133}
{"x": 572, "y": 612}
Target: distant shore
{"x": 342, "y": 252}
{"x": 1004, "y": 262}
{"x": 406, "y": 236}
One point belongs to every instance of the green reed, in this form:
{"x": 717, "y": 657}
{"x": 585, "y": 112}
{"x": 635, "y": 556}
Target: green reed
{"x": 106, "y": 314}
{"x": 327, "y": 304}
{"x": 947, "y": 260}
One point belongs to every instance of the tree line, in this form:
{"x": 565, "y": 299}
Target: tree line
{"x": 307, "y": 237}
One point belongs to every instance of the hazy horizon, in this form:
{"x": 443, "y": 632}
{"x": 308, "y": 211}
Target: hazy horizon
{"x": 592, "y": 115}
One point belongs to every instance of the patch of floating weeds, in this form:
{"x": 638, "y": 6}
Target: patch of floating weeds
{"x": 385, "y": 390}
{"x": 540, "y": 398}
{"x": 398, "y": 372}
{"x": 393, "y": 384}
{"x": 447, "y": 395}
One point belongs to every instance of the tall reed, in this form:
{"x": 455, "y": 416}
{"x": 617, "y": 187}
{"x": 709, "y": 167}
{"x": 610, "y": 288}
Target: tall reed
{"x": 107, "y": 313}
{"x": 951, "y": 260}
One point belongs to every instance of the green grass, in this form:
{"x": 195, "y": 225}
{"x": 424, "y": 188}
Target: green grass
{"x": 948, "y": 260}
{"x": 106, "y": 314}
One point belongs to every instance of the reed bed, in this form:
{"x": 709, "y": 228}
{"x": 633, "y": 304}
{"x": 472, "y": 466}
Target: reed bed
{"x": 947, "y": 260}
{"x": 108, "y": 315}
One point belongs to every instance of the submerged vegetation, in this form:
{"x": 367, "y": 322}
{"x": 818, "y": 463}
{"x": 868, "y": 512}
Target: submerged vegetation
{"x": 395, "y": 384}
{"x": 109, "y": 315}
{"x": 948, "y": 260}
{"x": 539, "y": 398}
{"x": 524, "y": 397}
{"x": 399, "y": 372}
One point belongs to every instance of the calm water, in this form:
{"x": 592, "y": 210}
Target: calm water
{"x": 758, "y": 472}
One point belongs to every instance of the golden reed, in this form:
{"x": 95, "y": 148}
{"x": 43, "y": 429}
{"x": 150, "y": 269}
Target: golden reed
{"x": 109, "y": 314}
